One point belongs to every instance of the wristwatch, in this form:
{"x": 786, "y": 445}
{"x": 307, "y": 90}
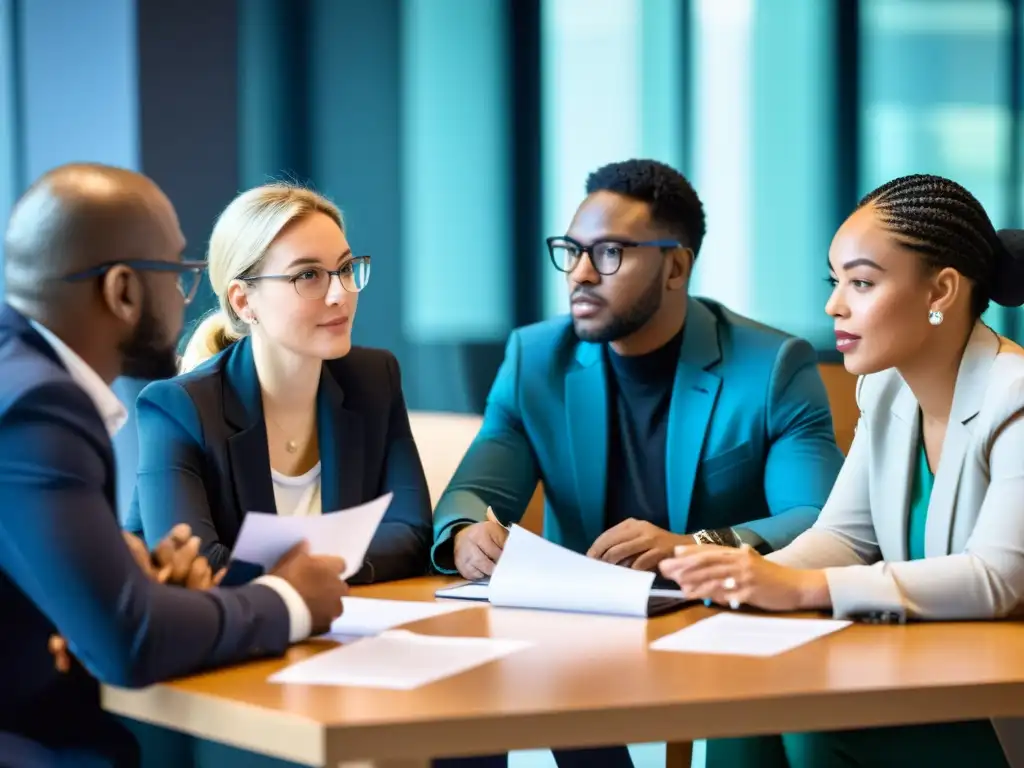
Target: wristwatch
{"x": 733, "y": 537}
{"x": 722, "y": 537}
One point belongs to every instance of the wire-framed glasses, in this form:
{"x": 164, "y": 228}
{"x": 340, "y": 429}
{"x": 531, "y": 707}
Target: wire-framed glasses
{"x": 314, "y": 282}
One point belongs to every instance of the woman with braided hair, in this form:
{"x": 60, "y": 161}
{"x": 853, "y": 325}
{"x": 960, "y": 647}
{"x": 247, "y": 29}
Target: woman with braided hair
{"x": 926, "y": 518}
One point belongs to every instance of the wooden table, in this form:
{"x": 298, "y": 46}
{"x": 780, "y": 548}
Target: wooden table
{"x": 591, "y": 680}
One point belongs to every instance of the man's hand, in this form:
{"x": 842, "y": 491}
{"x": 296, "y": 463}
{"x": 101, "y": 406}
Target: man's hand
{"x": 636, "y": 544}
{"x": 317, "y": 579}
{"x": 177, "y": 556}
{"x": 176, "y": 560}
{"x": 478, "y": 547}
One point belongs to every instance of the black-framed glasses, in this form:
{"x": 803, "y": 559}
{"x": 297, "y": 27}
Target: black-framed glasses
{"x": 605, "y": 255}
{"x": 315, "y": 282}
{"x": 189, "y": 272}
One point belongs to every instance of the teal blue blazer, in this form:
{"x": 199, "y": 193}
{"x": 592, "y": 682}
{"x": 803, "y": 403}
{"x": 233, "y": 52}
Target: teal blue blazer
{"x": 750, "y": 439}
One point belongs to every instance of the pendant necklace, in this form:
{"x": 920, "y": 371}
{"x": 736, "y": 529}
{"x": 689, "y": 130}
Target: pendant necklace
{"x": 290, "y": 445}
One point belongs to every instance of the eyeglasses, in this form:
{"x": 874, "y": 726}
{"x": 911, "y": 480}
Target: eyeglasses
{"x": 315, "y": 282}
{"x": 605, "y": 255}
{"x": 189, "y": 273}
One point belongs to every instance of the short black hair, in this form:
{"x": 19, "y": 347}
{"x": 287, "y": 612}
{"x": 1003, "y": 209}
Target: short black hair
{"x": 947, "y": 225}
{"x": 673, "y": 201}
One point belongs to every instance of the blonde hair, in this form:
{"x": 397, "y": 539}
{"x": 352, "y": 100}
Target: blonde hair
{"x": 239, "y": 243}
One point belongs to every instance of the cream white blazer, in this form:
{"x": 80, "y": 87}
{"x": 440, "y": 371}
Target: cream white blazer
{"x": 974, "y": 538}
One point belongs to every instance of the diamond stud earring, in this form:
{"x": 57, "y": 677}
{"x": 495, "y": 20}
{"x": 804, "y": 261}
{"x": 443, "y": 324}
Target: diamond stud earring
{"x": 935, "y": 317}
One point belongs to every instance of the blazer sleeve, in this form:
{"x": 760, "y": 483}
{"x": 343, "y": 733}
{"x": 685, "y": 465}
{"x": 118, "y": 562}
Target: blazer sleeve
{"x": 401, "y": 546}
{"x": 986, "y": 580}
{"x": 169, "y": 487}
{"x": 803, "y": 458}
{"x": 499, "y": 470}
{"x": 60, "y": 543}
{"x": 844, "y": 533}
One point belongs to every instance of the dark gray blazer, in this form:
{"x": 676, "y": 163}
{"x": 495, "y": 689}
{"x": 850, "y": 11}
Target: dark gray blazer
{"x": 203, "y": 457}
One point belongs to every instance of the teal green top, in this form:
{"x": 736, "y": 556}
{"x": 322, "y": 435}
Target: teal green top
{"x": 919, "y": 498}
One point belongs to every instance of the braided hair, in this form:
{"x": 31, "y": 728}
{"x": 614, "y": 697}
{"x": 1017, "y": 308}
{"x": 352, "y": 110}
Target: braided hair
{"x": 949, "y": 227}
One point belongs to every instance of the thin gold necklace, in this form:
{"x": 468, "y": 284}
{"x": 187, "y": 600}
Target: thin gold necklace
{"x": 290, "y": 445}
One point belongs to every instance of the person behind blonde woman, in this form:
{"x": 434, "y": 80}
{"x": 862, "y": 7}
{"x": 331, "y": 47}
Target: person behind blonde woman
{"x": 926, "y": 519}
{"x": 276, "y": 410}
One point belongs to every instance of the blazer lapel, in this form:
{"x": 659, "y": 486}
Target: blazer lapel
{"x": 586, "y": 407}
{"x": 247, "y": 450}
{"x": 340, "y": 436}
{"x": 694, "y": 394}
{"x": 971, "y": 380}
{"x": 900, "y": 438}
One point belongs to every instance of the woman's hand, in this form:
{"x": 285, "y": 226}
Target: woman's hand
{"x": 740, "y": 576}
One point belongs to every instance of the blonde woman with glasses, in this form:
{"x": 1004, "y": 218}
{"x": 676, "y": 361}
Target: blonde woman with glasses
{"x": 276, "y": 411}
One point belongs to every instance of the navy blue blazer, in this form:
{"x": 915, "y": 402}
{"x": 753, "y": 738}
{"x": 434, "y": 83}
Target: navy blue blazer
{"x": 203, "y": 456}
{"x": 64, "y": 568}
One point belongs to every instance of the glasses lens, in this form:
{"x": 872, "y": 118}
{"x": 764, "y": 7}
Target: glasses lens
{"x": 312, "y": 283}
{"x": 607, "y": 257}
{"x": 356, "y": 274}
{"x": 564, "y": 255}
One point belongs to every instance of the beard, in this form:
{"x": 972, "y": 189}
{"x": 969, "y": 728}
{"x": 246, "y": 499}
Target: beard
{"x": 619, "y": 326}
{"x": 145, "y": 354}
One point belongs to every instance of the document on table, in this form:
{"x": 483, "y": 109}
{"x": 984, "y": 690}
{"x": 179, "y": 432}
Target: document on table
{"x": 480, "y": 591}
{"x": 536, "y": 573}
{"x": 740, "y": 635}
{"x": 365, "y": 616}
{"x": 398, "y": 660}
{"x": 264, "y": 538}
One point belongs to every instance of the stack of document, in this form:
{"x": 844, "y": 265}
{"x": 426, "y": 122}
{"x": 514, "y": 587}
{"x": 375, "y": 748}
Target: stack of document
{"x": 535, "y": 573}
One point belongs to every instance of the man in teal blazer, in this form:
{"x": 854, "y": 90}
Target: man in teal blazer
{"x": 652, "y": 418}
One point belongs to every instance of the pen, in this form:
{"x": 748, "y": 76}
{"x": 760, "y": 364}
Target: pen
{"x": 494, "y": 519}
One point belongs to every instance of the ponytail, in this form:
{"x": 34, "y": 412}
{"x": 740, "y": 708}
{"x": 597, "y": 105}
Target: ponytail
{"x": 211, "y": 337}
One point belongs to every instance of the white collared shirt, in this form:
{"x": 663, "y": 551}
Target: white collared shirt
{"x": 114, "y": 416}
{"x": 111, "y": 410}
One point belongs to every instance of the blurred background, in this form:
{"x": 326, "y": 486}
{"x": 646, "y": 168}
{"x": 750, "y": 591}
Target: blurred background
{"x": 457, "y": 134}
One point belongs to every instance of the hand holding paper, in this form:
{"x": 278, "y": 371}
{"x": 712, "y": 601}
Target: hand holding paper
{"x": 264, "y": 539}
{"x": 317, "y": 579}
{"x": 536, "y": 573}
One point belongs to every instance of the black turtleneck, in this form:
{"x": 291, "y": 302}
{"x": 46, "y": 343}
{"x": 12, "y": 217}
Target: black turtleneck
{"x": 640, "y": 392}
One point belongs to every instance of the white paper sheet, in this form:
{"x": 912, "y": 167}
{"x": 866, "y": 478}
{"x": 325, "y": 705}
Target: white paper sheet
{"x": 264, "y": 539}
{"x": 365, "y": 616}
{"x": 536, "y": 573}
{"x": 740, "y": 635}
{"x": 398, "y": 660}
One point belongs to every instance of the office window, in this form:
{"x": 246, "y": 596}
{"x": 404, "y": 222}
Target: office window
{"x": 722, "y": 131}
{"x": 457, "y": 234}
{"x": 935, "y": 92}
{"x": 763, "y": 155}
{"x": 935, "y": 79}
{"x": 612, "y": 88}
